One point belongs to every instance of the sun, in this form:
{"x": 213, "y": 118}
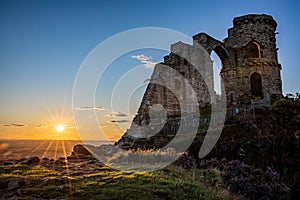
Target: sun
{"x": 60, "y": 128}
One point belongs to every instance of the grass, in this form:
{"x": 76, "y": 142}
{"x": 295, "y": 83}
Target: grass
{"x": 169, "y": 183}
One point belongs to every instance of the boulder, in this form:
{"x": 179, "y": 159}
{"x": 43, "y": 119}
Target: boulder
{"x": 26, "y": 192}
{"x": 15, "y": 184}
{"x": 8, "y": 162}
{"x": 32, "y": 161}
{"x": 80, "y": 151}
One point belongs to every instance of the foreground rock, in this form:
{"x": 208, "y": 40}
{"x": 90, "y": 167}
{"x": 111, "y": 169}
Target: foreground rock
{"x": 32, "y": 174}
{"x": 91, "y": 152}
{"x": 80, "y": 152}
{"x": 15, "y": 184}
{"x": 32, "y": 161}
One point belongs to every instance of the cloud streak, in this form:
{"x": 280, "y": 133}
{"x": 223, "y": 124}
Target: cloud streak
{"x": 15, "y": 125}
{"x": 42, "y": 126}
{"x": 146, "y": 60}
{"x": 89, "y": 108}
{"x": 119, "y": 121}
{"x": 118, "y": 114}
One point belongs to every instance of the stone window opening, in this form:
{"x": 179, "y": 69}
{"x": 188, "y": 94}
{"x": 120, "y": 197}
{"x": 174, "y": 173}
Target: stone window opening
{"x": 256, "y": 85}
{"x": 253, "y": 50}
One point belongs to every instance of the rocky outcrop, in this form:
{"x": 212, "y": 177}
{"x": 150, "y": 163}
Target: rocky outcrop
{"x": 31, "y": 161}
{"x": 272, "y": 140}
{"x": 80, "y": 152}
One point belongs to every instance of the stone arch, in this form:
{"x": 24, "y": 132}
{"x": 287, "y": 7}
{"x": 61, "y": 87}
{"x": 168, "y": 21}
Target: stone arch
{"x": 256, "y": 85}
{"x": 221, "y": 52}
{"x": 211, "y": 44}
{"x": 223, "y": 55}
{"x": 253, "y": 50}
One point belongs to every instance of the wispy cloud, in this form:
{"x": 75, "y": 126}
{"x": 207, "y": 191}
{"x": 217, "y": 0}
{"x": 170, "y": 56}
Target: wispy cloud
{"x": 15, "y": 125}
{"x": 90, "y": 108}
{"x": 146, "y": 60}
{"x": 42, "y": 126}
{"x": 119, "y": 121}
{"x": 118, "y": 114}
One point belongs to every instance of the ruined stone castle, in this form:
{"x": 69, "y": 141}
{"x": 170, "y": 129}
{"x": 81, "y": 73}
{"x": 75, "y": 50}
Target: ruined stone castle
{"x": 250, "y": 73}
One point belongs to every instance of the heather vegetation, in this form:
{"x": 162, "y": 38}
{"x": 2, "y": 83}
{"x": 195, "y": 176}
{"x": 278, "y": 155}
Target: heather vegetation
{"x": 266, "y": 152}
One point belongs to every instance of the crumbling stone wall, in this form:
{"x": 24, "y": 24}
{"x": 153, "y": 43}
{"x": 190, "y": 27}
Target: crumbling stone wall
{"x": 250, "y": 73}
{"x": 240, "y": 59}
{"x": 182, "y": 60}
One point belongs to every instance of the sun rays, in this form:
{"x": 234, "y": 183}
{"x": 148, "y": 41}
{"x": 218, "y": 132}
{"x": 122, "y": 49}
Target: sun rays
{"x": 37, "y": 147}
{"x": 50, "y": 149}
{"x": 56, "y": 124}
{"x": 54, "y": 131}
{"x": 61, "y": 123}
{"x": 47, "y": 149}
{"x": 65, "y": 157}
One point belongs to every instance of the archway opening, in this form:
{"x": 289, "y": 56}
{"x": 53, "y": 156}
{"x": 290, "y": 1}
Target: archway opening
{"x": 256, "y": 85}
{"x": 217, "y": 66}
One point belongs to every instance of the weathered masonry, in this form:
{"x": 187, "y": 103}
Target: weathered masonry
{"x": 250, "y": 71}
{"x": 250, "y": 74}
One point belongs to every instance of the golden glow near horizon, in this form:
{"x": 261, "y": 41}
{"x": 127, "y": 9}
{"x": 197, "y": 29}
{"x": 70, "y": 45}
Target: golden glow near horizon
{"x": 60, "y": 128}
{"x": 52, "y": 124}
{"x": 58, "y": 124}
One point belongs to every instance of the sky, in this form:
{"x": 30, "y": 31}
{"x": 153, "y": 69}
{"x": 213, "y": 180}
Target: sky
{"x": 44, "y": 43}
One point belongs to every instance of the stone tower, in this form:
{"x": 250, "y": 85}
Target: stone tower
{"x": 250, "y": 68}
{"x": 250, "y": 74}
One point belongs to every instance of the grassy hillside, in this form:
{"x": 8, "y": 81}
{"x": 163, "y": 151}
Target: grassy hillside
{"x": 252, "y": 159}
{"x": 89, "y": 179}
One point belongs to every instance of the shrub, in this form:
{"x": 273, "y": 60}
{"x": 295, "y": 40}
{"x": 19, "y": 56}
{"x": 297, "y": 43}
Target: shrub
{"x": 248, "y": 181}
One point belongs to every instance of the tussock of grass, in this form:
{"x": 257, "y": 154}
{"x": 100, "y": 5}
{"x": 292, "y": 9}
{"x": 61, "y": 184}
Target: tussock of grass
{"x": 169, "y": 183}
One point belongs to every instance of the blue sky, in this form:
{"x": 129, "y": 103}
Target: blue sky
{"x": 43, "y": 43}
